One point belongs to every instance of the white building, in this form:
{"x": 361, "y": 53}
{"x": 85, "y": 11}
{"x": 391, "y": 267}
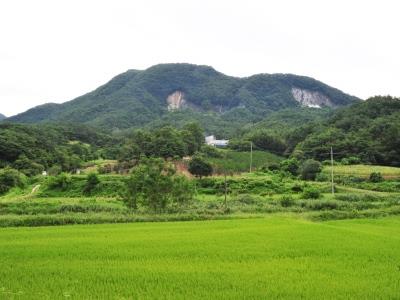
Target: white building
{"x": 211, "y": 141}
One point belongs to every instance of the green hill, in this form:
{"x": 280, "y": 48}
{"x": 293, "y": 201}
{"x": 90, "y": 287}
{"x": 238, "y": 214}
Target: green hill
{"x": 176, "y": 93}
{"x": 368, "y": 130}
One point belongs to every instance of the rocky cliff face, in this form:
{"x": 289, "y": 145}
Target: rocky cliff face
{"x": 311, "y": 98}
{"x": 308, "y": 98}
{"x": 176, "y": 100}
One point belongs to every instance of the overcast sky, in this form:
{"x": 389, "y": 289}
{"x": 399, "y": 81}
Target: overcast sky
{"x": 54, "y": 51}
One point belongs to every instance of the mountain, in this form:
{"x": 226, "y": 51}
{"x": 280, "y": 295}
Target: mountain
{"x": 2, "y": 116}
{"x": 174, "y": 93}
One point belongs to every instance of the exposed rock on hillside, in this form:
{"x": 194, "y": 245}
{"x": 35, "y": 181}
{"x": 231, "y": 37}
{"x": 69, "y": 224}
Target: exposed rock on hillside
{"x": 311, "y": 99}
{"x": 176, "y": 100}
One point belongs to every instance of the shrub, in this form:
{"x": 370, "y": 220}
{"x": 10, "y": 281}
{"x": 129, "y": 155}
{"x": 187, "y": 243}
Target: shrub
{"x": 210, "y": 151}
{"x": 55, "y": 170}
{"x": 10, "y": 178}
{"x": 246, "y": 199}
{"x": 355, "y": 179}
{"x": 272, "y": 167}
{"x": 27, "y": 166}
{"x": 326, "y": 163}
{"x": 375, "y": 177}
{"x": 286, "y": 201}
{"x": 91, "y": 182}
{"x": 322, "y": 177}
{"x": 297, "y": 188}
{"x": 345, "y": 161}
{"x": 106, "y": 169}
{"x": 310, "y": 169}
{"x": 323, "y": 205}
{"x": 182, "y": 191}
{"x": 353, "y": 160}
{"x": 61, "y": 182}
{"x": 311, "y": 193}
{"x": 153, "y": 184}
{"x": 207, "y": 182}
{"x": 290, "y": 165}
{"x": 199, "y": 167}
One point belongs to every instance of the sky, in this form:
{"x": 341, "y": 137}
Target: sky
{"x": 54, "y": 51}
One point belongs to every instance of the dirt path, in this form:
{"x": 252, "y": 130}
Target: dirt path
{"x": 35, "y": 189}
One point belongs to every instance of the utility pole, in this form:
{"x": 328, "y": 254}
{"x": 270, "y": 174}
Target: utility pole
{"x": 333, "y": 187}
{"x": 226, "y": 191}
{"x": 225, "y": 183}
{"x": 251, "y": 155}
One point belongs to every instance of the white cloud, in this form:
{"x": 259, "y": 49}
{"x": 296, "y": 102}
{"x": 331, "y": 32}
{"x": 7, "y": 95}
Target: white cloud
{"x": 54, "y": 51}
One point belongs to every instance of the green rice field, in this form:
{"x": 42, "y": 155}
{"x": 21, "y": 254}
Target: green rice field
{"x": 279, "y": 256}
{"x": 364, "y": 170}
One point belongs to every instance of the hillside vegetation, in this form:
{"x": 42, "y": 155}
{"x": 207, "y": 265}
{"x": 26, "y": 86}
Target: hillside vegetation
{"x": 35, "y": 148}
{"x": 368, "y": 130}
{"x": 136, "y": 98}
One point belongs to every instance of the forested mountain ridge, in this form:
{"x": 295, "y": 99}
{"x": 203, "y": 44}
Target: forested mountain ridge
{"x": 136, "y": 98}
{"x": 2, "y": 116}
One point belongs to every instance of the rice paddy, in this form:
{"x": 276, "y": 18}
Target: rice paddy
{"x": 279, "y": 256}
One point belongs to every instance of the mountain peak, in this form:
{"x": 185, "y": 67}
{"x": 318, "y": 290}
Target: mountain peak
{"x": 136, "y": 98}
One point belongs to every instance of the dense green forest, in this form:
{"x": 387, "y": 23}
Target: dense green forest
{"x": 369, "y": 131}
{"x": 219, "y": 102}
{"x": 36, "y": 148}
{"x": 66, "y": 147}
{"x": 365, "y": 132}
